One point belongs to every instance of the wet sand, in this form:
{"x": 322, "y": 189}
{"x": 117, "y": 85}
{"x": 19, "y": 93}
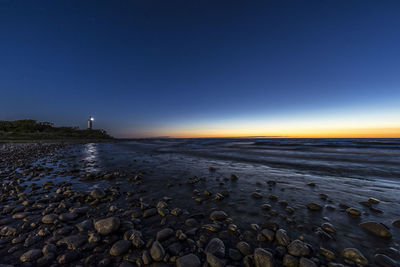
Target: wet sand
{"x": 219, "y": 204}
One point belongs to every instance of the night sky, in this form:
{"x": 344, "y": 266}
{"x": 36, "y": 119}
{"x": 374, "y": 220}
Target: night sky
{"x": 204, "y": 68}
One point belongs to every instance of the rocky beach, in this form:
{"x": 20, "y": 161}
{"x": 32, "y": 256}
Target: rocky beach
{"x": 201, "y": 202}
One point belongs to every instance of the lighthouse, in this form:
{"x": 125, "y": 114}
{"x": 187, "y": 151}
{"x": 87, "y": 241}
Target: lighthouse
{"x": 90, "y": 123}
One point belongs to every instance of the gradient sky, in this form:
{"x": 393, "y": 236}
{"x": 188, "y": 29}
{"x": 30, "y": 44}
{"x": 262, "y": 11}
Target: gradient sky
{"x": 204, "y": 68}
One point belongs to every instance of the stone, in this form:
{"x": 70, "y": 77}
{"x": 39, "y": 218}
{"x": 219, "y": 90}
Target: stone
{"x": 396, "y": 223}
{"x": 234, "y": 254}
{"x": 373, "y": 200}
{"x": 256, "y": 195}
{"x": 268, "y": 234}
{"x": 97, "y": 194}
{"x": 282, "y": 238}
{"x": 214, "y": 261}
{"x": 49, "y": 248}
{"x": 304, "y": 262}
{"x": 68, "y": 216}
{"x": 216, "y": 247}
{"x": 298, "y": 248}
{"x": 189, "y": 260}
{"x": 73, "y": 241}
{"x": 218, "y": 215}
{"x": 328, "y": 228}
{"x": 120, "y": 247}
{"x": 290, "y": 261}
{"x": 49, "y": 218}
{"x": 353, "y": 212}
{"x": 149, "y": 213}
{"x": 377, "y": 229}
{"x": 384, "y": 261}
{"x": 157, "y": 251}
{"x": 355, "y": 256}
{"x": 263, "y": 258}
{"x": 244, "y": 248}
{"x": 314, "y": 206}
{"x": 107, "y": 226}
{"x": 164, "y": 234}
{"x": 31, "y": 255}
{"x": 327, "y": 253}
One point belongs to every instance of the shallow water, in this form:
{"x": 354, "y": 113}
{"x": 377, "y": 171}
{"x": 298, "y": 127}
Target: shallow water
{"x": 347, "y": 170}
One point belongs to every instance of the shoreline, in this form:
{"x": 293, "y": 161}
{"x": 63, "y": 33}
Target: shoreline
{"x": 156, "y": 227}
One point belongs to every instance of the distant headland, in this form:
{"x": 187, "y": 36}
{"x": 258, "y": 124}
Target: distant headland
{"x": 33, "y": 130}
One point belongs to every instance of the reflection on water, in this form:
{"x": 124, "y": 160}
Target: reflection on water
{"x": 90, "y": 157}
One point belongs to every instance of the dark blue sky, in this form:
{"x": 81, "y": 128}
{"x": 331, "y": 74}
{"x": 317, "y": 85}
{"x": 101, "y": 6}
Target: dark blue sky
{"x": 146, "y": 68}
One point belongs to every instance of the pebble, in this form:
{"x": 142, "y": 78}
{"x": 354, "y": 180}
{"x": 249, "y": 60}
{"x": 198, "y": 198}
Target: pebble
{"x": 353, "y": 212}
{"x": 298, "y": 248}
{"x": 263, "y": 258}
{"x": 282, "y": 238}
{"x": 376, "y": 228}
{"x": 216, "y": 247}
{"x": 157, "y": 251}
{"x": 120, "y": 247}
{"x": 314, "y": 206}
{"x": 189, "y": 260}
{"x": 31, "y": 255}
{"x": 218, "y": 215}
{"x": 164, "y": 234}
{"x": 354, "y": 255}
{"x": 107, "y": 226}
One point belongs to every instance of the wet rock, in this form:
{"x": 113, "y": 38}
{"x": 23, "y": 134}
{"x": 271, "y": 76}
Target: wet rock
{"x": 396, "y": 223}
{"x": 298, "y": 248}
{"x": 304, "y": 262}
{"x": 49, "y": 248}
{"x": 263, "y": 258}
{"x": 216, "y": 247}
{"x": 377, "y": 229}
{"x": 164, "y": 234}
{"x": 190, "y": 260}
{"x": 212, "y": 227}
{"x": 314, "y": 206}
{"x": 385, "y": 261}
{"x": 157, "y": 251}
{"x": 390, "y": 252}
{"x": 268, "y": 234}
{"x": 85, "y": 225}
{"x": 256, "y": 195}
{"x": 218, "y": 215}
{"x": 120, "y": 247}
{"x": 68, "y": 257}
{"x": 290, "y": 261}
{"x": 373, "y": 200}
{"x": 244, "y": 248}
{"x": 266, "y": 206}
{"x": 214, "y": 261}
{"x": 107, "y": 226}
{"x": 353, "y": 212}
{"x": 73, "y": 241}
{"x": 49, "y": 218}
{"x": 31, "y": 255}
{"x": 282, "y": 238}
{"x": 328, "y": 228}
{"x": 149, "y": 213}
{"x": 354, "y": 255}
{"x": 97, "y": 194}
{"x": 234, "y": 254}
{"x": 68, "y": 216}
{"x": 327, "y": 253}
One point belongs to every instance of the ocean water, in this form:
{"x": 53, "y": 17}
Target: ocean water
{"x": 346, "y": 170}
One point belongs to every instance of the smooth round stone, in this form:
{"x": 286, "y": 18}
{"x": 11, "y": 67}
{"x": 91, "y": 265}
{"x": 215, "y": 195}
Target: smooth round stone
{"x": 107, "y": 226}
{"x": 327, "y": 253}
{"x": 282, "y": 238}
{"x": 384, "y": 261}
{"x": 298, "y": 248}
{"x": 304, "y": 262}
{"x": 328, "y": 228}
{"x": 377, "y": 229}
{"x": 244, "y": 248}
{"x": 256, "y": 195}
{"x": 189, "y": 260}
{"x": 31, "y": 255}
{"x": 290, "y": 261}
{"x": 268, "y": 234}
{"x": 263, "y": 258}
{"x": 314, "y": 206}
{"x": 120, "y": 247}
{"x": 396, "y": 223}
{"x": 49, "y": 218}
{"x": 373, "y": 200}
{"x": 97, "y": 193}
{"x": 353, "y": 212}
{"x": 157, "y": 251}
{"x": 354, "y": 255}
{"x": 218, "y": 215}
{"x": 216, "y": 247}
{"x": 164, "y": 234}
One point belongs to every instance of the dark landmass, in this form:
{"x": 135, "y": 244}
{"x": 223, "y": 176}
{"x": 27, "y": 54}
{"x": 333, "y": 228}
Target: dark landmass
{"x": 32, "y": 130}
